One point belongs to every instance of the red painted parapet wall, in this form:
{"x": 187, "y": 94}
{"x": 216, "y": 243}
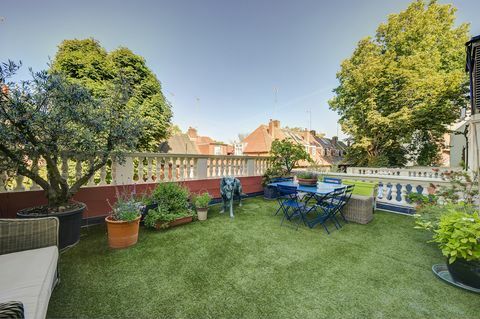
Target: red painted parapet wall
{"x": 96, "y": 197}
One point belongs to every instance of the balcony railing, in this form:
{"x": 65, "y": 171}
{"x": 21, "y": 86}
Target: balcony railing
{"x": 423, "y": 172}
{"x": 393, "y": 189}
{"x": 142, "y": 168}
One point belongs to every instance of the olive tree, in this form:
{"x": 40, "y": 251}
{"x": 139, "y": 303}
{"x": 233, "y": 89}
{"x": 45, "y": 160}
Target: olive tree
{"x": 48, "y": 118}
{"x": 287, "y": 154}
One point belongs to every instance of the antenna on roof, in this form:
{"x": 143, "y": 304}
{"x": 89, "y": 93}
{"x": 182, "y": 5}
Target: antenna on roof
{"x": 275, "y": 92}
{"x": 309, "y": 111}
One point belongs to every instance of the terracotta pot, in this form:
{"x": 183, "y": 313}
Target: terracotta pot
{"x": 122, "y": 234}
{"x": 202, "y": 213}
{"x": 307, "y": 181}
{"x": 176, "y": 222}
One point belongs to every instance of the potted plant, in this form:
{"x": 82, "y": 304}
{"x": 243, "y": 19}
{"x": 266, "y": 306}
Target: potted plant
{"x": 307, "y": 178}
{"x": 49, "y": 121}
{"x": 451, "y": 214}
{"x": 172, "y": 206}
{"x": 201, "y": 204}
{"x": 458, "y": 236}
{"x": 284, "y": 156}
{"x": 161, "y": 218}
{"x": 273, "y": 174}
{"x": 123, "y": 223}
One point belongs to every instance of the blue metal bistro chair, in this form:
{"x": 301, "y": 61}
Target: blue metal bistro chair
{"x": 290, "y": 204}
{"x": 324, "y": 210}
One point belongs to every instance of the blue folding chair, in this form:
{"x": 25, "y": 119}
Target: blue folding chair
{"x": 290, "y": 204}
{"x": 331, "y": 180}
{"x": 324, "y": 210}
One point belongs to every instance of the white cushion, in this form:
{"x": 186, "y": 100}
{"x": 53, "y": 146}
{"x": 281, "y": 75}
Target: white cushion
{"x": 28, "y": 276}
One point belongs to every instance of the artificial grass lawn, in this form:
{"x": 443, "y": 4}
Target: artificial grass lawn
{"x": 251, "y": 267}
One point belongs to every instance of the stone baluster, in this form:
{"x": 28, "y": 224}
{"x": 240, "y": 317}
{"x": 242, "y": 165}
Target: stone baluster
{"x": 173, "y": 169}
{"x": 181, "y": 173}
{"x": 149, "y": 169}
{"x": 19, "y": 183}
{"x": 91, "y": 180}
{"x": 113, "y": 172}
{"x": 103, "y": 176}
{"x": 140, "y": 170}
{"x": 78, "y": 169}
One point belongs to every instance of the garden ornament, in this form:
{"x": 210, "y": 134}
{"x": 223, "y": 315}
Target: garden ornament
{"x": 229, "y": 188}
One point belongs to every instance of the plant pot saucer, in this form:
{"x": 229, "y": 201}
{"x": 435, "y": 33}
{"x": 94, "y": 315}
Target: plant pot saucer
{"x": 442, "y": 272}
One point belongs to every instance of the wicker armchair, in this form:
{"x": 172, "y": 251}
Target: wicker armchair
{"x": 25, "y": 234}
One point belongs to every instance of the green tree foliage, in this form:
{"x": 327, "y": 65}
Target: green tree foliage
{"x": 287, "y": 154}
{"x": 88, "y": 63}
{"x": 49, "y": 118}
{"x": 399, "y": 91}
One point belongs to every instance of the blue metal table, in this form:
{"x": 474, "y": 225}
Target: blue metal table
{"x": 321, "y": 189}
{"x": 318, "y": 191}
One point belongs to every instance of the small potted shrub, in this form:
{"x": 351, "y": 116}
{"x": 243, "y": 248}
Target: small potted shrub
{"x": 123, "y": 223}
{"x": 172, "y": 206}
{"x": 458, "y": 236}
{"x": 307, "y": 179}
{"x": 201, "y": 204}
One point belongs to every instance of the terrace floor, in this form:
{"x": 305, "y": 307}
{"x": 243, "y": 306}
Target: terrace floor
{"x": 251, "y": 267}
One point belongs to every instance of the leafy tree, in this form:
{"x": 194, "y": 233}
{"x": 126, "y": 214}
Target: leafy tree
{"x": 399, "y": 91}
{"x": 49, "y": 118}
{"x": 287, "y": 154}
{"x": 87, "y": 63}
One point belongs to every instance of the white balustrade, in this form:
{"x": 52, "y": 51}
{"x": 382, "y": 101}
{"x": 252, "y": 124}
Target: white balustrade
{"x": 425, "y": 172}
{"x": 393, "y": 190}
{"x": 142, "y": 168}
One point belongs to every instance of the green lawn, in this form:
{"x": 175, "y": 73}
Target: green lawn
{"x": 250, "y": 267}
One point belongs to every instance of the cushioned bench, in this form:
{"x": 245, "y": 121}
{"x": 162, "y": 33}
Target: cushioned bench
{"x": 28, "y": 259}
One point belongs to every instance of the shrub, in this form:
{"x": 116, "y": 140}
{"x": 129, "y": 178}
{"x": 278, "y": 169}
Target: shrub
{"x": 202, "y": 201}
{"x": 173, "y": 197}
{"x": 161, "y": 215}
{"x": 458, "y": 234}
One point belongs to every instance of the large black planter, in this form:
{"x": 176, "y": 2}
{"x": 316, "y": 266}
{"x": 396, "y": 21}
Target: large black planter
{"x": 70, "y": 223}
{"x": 465, "y": 272}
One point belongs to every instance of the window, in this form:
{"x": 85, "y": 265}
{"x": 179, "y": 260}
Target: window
{"x": 217, "y": 150}
{"x": 238, "y": 149}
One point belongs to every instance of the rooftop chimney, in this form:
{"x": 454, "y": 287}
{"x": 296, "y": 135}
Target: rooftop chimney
{"x": 272, "y": 125}
{"x": 307, "y": 136}
{"x": 192, "y": 133}
{"x": 334, "y": 140}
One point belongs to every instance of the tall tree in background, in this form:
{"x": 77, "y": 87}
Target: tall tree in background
{"x": 400, "y": 90}
{"x": 87, "y": 63}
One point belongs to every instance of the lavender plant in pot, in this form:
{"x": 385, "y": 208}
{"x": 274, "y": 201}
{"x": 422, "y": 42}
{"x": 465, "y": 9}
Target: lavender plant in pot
{"x": 48, "y": 121}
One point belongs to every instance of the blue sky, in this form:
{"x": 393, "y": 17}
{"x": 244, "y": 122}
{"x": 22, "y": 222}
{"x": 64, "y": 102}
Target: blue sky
{"x": 219, "y": 61}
